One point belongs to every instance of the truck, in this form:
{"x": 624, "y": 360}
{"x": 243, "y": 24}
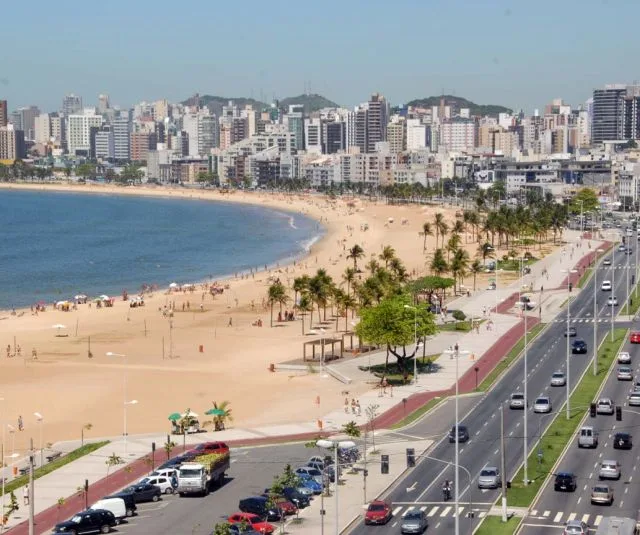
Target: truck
{"x": 203, "y": 473}
{"x": 613, "y": 525}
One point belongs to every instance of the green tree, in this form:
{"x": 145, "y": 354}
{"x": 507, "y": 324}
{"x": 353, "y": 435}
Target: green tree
{"x": 586, "y": 200}
{"x": 300, "y": 286}
{"x": 355, "y": 253}
{"x": 288, "y": 478}
{"x": 351, "y": 429}
{"x": 222, "y": 528}
{"x": 485, "y": 250}
{"x": 441, "y": 226}
{"x": 387, "y": 255}
{"x": 168, "y": 448}
{"x": 220, "y": 420}
{"x": 439, "y": 263}
{"x": 277, "y": 293}
{"x": 86, "y": 170}
{"x": 476, "y": 267}
{"x": 426, "y": 231}
{"x": 392, "y": 324}
{"x": 112, "y": 461}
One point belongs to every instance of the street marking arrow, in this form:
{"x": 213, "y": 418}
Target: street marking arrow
{"x": 412, "y": 487}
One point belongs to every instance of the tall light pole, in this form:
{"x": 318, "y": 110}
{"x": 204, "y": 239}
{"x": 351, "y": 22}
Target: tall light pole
{"x": 132, "y": 402}
{"x": 526, "y": 408}
{"x": 415, "y": 343}
{"x": 124, "y": 391}
{"x": 566, "y": 332}
{"x": 595, "y": 313}
{"x": 613, "y": 281}
{"x": 40, "y": 420}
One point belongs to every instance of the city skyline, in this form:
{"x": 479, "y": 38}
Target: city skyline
{"x": 485, "y": 54}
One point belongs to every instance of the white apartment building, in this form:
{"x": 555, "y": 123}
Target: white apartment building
{"x": 313, "y": 135}
{"x": 105, "y": 144}
{"x": 79, "y": 129}
{"x": 397, "y": 135}
{"x": 416, "y": 135}
{"x": 457, "y": 135}
{"x": 42, "y": 129}
{"x": 122, "y": 137}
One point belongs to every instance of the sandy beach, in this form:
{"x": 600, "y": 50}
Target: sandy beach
{"x": 166, "y": 369}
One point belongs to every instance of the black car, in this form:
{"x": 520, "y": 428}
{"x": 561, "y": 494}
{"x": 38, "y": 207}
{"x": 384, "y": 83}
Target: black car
{"x": 91, "y": 521}
{"x": 129, "y": 502}
{"x": 463, "y": 434}
{"x": 578, "y": 346}
{"x": 297, "y": 498}
{"x": 144, "y": 493}
{"x": 571, "y": 331}
{"x": 565, "y": 481}
{"x": 259, "y": 505}
{"x": 622, "y": 441}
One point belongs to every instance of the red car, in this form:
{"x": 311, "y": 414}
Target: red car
{"x": 634, "y": 337}
{"x": 378, "y": 512}
{"x": 211, "y": 447}
{"x": 285, "y": 506}
{"x": 252, "y": 520}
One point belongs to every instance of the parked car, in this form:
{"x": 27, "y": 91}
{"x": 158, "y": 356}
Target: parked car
{"x": 571, "y": 332}
{"x": 634, "y": 399}
{"x": 114, "y": 505}
{"x": 129, "y": 502}
{"x": 609, "y": 470}
{"x": 558, "y": 379}
{"x": 296, "y": 497}
{"x": 310, "y": 483}
{"x": 211, "y": 447}
{"x": 565, "y": 481}
{"x": 612, "y": 301}
{"x": 165, "y": 484}
{"x": 588, "y": 437}
{"x": 625, "y": 373}
{"x": 576, "y": 527}
{"x": 284, "y": 506}
{"x": 634, "y": 337}
{"x": 517, "y": 401}
{"x": 166, "y": 472}
{"x": 310, "y": 471}
{"x": 252, "y": 520}
{"x": 144, "y": 492}
{"x": 415, "y": 521}
{"x": 606, "y": 285}
{"x": 578, "y": 346}
{"x": 378, "y": 512}
{"x": 463, "y": 434}
{"x": 242, "y": 529}
{"x": 542, "y": 404}
{"x": 624, "y": 357}
{"x": 489, "y": 478}
{"x": 622, "y": 441}
{"x": 605, "y": 406}
{"x": 91, "y": 521}
{"x": 602, "y": 494}
{"x": 259, "y": 505}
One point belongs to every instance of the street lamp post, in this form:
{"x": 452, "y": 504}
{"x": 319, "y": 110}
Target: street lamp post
{"x": 595, "y": 313}
{"x": 526, "y": 368}
{"x": 40, "y": 420}
{"x": 124, "y": 392}
{"x": 415, "y": 343}
{"x": 132, "y": 402}
{"x": 566, "y": 332}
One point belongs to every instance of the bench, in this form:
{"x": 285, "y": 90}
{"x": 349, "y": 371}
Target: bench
{"x": 53, "y": 456}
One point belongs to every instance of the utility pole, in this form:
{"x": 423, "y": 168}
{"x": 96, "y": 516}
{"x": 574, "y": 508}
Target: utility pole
{"x": 31, "y": 496}
{"x": 502, "y": 466}
{"x": 364, "y": 486}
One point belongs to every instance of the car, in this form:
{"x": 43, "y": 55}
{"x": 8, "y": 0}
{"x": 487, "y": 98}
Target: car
{"x": 634, "y": 337}
{"x": 285, "y": 507}
{"x": 629, "y": 251}
{"x": 319, "y": 462}
{"x": 463, "y": 434}
{"x": 166, "y": 472}
{"x": 625, "y": 373}
{"x": 296, "y": 497}
{"x": 621, "y": 248}
{"x": 114, "y": 505}
{"x": 612, "y": 301}
{"x": 542, "y": 404}
{"x": 144, "y": 492}
{"x": 129, "y": 502}
{"x": 517, "y": 401}
{"x": 252, "y": 520}
{"x": 558, "y": 379}
{"x": 624, "y": 357}
{"x": 588, "y": 437}
{"x": 602, "y": 494}
{"x": 571, "y": 332}
{"x": 606, "y": 286}
{"x": 565, "y": 481}
{"x": 310, "y": 471}
{"x": 378, "y": 512}
{"x": 576, "y": 527}
{"x": 578, "y": 347}
{"x": 260, "y": 505}
{"x": 242, "y": 529}
{"x": 311, "y": 483}
{"x": 634, "y": 399}
{"x": 91, "y": 521}
{"x": 605, "y": 406}
{"x": 165, "y": 484}
{"x": 609, "y": 470}
{"x": 414, "y": 521}
{"x": 622, "y": 441}
{"x": 606, "y": 262}
{"x": 489, "y": 478}
{"x": 211, "y": 447}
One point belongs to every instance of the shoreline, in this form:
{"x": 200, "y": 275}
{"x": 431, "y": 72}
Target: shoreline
{"x": 306, "y": 247}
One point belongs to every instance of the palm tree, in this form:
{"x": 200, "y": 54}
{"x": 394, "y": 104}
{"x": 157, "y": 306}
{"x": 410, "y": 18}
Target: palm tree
{"x": 317, "y": 294}
{"x": 485, "y": 250}
{"x": 453, "y": 244}
{"x": 438, "y": 263}
{"x": 387, "y": 254}
{"x": 458, "y": 227}
{"x": 426, "y": 231}
{"x": 373, "y": 266}
{"x": 349, "y": 276}
{"x": 219, "y": 420}
{"x": 459, "y": 266}
{"x": 476, "y": 268}
{"x": 355, "y": 253}
{"x": 305, "y": 305}
{"x": 277, "y": 294}
{"x": 441, "y": 227}
{"x": 300, "y": 285}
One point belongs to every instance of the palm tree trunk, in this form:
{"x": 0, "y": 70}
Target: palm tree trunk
{"x": 271, "y": 313}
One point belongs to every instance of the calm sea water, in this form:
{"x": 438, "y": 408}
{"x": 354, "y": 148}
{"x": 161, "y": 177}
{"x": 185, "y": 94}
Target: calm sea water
{"x": 55, "y": 245}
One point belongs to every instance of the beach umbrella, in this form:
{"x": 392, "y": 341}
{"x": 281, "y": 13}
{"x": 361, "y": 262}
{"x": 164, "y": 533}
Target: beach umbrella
{"x": 104, "y": 297}
{"x": 58, "y": 326}
{"x": 215, "y": 412}
{"x": 173, "y": 285}
{"x": 174, "y": 417}
{"x": 189, "y": 414}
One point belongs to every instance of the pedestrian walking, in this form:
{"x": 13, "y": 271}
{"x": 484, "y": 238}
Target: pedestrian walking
{"x": 20, "y": 424}
{"x": 353, "y": 405}
{"x": 358, "y": 408}
{"x": 346, "y": 405}
{"x": 384, "y": 385}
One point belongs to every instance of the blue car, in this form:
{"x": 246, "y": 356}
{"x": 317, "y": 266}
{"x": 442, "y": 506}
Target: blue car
{"x": 310, "y": 483}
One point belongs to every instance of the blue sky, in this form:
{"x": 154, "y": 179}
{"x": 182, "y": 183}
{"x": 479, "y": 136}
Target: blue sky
{"x": 519, "y": 53}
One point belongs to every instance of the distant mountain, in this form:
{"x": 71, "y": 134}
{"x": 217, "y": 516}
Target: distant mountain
{"x": 311, "y": 102}
{"x": 459, "y": 102}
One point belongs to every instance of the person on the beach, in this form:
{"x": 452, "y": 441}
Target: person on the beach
{"x": 353, "y": 405}
{"x": 230, "y": 322}
{"x": 346, "y": 405}
{"x": 358, "y": 408}
{"x": 20, "y": 424}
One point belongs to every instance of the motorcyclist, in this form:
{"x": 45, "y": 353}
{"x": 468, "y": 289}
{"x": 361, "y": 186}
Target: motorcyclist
{"x": 446, "y": 489}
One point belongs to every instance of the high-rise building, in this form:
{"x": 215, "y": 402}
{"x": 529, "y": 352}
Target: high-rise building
{"x": 313, "y": 135}
{"x": 141, "y": 144}
{"x": 79, "y": 131}
{"x": 12, "y": 146}
{"x": 103, "y": 103}
{"x": 608, "y": 112}
{"x": 42, "y": 129}
{"x": 207, "y": 133}
{"x": 416, "y": 135}
{"x": 334, "y": 137}
{"x": 377, "y": 119}
{"x": 105, "y": 143}
{"x": 122, "y": 137}
{"x": 357, "y": 129}
{"x": 25, "y": 119}
{"x": 295, "y": 124}
{"x": 4, "y": 113}
{"x": 457, "y": 135}
{"x": 161, "y": 110}
{"x": 71, "y": 105}
{"x": 397, "y": 135}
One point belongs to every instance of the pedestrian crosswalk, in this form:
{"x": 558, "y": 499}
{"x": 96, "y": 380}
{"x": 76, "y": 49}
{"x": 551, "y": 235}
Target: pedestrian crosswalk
{"x": 442, "y": 510}
{"x": 606, "y": 319}
{"x": 561, "y": 517}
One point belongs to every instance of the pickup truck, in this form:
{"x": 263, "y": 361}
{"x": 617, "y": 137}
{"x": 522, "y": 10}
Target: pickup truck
{"x": 202, "y": 473}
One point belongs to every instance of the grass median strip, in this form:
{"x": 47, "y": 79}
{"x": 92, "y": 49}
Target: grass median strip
{"x": 584, "y": 278}
{"x": 493, "y": 525}
{"x": 633, "y": 309}
{"x": 562, "y": 430}
{"x": 413, "y": 416}
{"x": 509, "y": 358}
{"x": 54, "y": 465}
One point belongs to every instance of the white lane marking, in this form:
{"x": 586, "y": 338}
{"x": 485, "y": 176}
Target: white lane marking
{"x": 433, "y": 511}
{"x": 579, "y": 500}
{"x": 585, "y": 518}
{"x": 423, "y": 508}
{"x": 396, "y": 510}
{"x": 572, "y": 516}
{"x": 445, "y": 511}
{"x": 597, "y": 521}
{"x": 408, "y": 510}
{"x": 558, "y": 517}
{"x": 546, "y": 514}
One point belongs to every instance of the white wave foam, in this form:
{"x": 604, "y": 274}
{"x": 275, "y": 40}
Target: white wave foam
{"x": 307, "y": 245}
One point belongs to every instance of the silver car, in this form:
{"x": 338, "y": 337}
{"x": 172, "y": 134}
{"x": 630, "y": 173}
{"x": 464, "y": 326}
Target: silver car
{"x": 604, "y": 406}
{"x": 576, "y": 527}
{"x": 517, "y": 401}
{"x": 609, "y": 470}
{"x": 542, "y": 404}
{"x": 625, "y": 373}
{"x": 489, "y": 478}
{"x": 602, "y": 494}
{"x": 558, "y": 379}
{"x": 414, "y": 521}
{"x": 634, "y": 399}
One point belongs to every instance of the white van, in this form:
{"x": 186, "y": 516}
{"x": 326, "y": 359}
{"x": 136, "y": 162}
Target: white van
{"x": 114, "y": 505}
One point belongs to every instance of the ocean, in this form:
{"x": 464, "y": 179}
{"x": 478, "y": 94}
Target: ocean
{"x": 55, "y": 245}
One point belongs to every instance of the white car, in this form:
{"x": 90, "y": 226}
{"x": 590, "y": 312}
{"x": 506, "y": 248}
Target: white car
{"x": 612, "y": 301}
{"x": 606, "y": 286}
{"x": 607, "y": 261}
{"x": 624, "y": 357}
{"x": 634, "y": 399}
{"x": 604, "y": 406}
{"x": 542, "y": 404}
{"x": 162, "y": 482}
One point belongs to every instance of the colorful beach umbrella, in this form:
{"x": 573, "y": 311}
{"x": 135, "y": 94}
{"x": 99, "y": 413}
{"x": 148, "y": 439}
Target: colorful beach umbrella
{"x": 215, "y": 412}
{"x": 174, "y": 417}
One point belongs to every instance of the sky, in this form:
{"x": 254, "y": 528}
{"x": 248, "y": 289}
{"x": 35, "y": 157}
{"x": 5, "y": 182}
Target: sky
{"x": 517, "y": 53}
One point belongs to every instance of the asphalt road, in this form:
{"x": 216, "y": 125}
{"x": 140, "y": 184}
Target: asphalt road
{"x": 546, "y": 355}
